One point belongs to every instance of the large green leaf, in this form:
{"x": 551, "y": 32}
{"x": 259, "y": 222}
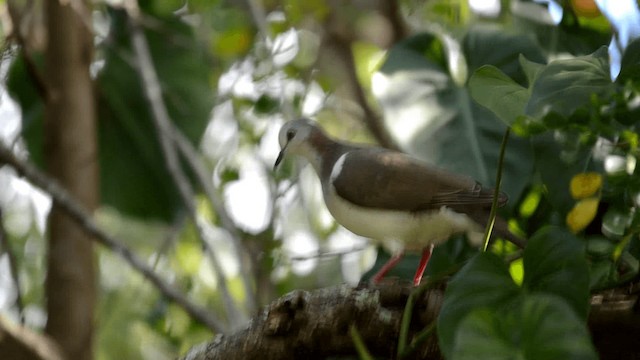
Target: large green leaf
{"x": 557, "y": 164}
{"x": 431, "y": 115}
{"x": 134, "y": 177}
{"x": 133, "y": 174}
{"x": 494, "y": 46}
{"x": 630, "y": 64}
{"x": 484, "y": 282}
{"x": 565, "y": 86}
{"x": 494, "y": 90}
{"x": 554, "y": 262}
{"x": 540, "y": 327}
{"x": 501, "y": 94}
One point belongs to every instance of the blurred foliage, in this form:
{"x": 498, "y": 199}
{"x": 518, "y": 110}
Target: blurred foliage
{"x": 231, "y": 74}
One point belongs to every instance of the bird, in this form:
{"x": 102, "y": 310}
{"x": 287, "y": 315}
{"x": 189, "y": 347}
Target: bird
{"x": 390, "y": 197}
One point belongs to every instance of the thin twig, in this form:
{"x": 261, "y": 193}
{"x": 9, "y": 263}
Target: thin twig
{"x": 371, "y": 118}
{"x": 76, "y": 211}
{"x": 193, "y": 158}
{"x": 319, "y": 255}
{"x": 162, "y": 123}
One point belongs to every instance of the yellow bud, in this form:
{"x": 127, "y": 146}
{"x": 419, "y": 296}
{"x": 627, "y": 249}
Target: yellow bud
{"x": 584, "y": 185}
{"x": 582, "y": 214}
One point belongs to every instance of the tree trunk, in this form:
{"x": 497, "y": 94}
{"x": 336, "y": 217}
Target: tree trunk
{"x": 71, "y": 157}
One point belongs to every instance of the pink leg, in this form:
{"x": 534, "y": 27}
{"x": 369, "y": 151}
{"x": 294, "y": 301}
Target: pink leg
{"x": 395, "y": 259}
{"x": 424, "y": 260}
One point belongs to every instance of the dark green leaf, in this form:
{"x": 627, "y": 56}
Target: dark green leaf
{"x": 557, "y": 166}
{"x": 21, "y": 88}
{"x": 564, "y": 86}
{"x": 487, "y": 45}
{"x": 531, "y": 69}
{"x": 494, "y": 90}
{"x": 630, "y": 64}
{"x": 540, "y": 327}
{"x": 134, "y": 178}
{"x": 554, "y": 262}
{"x": 266, "y": 105}
{"x": 433, "y": 117}
{"x": 484, "y": 282}
{"x": 600, "y": 246}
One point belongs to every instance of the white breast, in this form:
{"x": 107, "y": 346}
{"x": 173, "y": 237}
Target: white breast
{"x": 394, "y": 229}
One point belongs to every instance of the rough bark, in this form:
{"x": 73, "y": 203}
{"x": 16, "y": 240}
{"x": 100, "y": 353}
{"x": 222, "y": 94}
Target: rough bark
{"x": 315, "y": 325}
{"x": 71, "y": 157}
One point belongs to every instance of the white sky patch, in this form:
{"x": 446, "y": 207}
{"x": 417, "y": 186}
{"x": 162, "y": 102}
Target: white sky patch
{"x": 489, "y": 8}
{"x": 220, "y": 139}
{"x": 7, "y": 290}
{"x": 9, "y": 117}
{"x": 285, "y": 47}
{"x": 302, "y": 244}
{"x": 314, "y": 100}
{"x": 248, "y": 200}
{"x": 624, "y": 15}
{"x": 238, "y": 81}
{"x": 269, "y": 146}
{"x": 554, "y": 8}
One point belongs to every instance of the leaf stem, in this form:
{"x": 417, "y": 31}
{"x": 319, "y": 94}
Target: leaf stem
{"x": 361, "y": 348}
{"x": 496, "y": 191}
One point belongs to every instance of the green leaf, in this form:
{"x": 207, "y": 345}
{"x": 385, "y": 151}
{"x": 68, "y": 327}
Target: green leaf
{"x": 266, "y": 105}
{"x": 531, "y": 69}
{"x": 20, "y": 86}
{"x": 493, "y": 45}
{"x": 540, "y": 327}
{"x": 565, "y": 86}
{"x": 430, "y": 115}
{"x": 484, "y": 282}
{"x": 134, "y": 178}
{"x": 554, "y": 262}
{"x": 133, "y": 175}
{"x": 557, "y": 166}
{"x": 494, "y": 90}
{"x": 630, "y": 64}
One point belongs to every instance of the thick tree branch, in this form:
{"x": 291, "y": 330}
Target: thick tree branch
{"x": 62, "y": 198}
{"x": 315, "y": 325}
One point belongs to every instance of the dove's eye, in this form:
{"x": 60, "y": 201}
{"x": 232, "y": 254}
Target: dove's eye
{"x": 290, "y": 134}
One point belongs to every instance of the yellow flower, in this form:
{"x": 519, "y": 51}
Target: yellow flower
{"x": 582, "y": 214}
{"x": 584, "y": 185}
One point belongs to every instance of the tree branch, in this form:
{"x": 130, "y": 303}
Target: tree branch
{"x": 162, "y": 122}
{"x": 372, "y": 120}
{"x": 315, "y": 325}
{"x": 193, "y": 158}
{"x": 18, "y": 342}
{"x": 62, "y": 198}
